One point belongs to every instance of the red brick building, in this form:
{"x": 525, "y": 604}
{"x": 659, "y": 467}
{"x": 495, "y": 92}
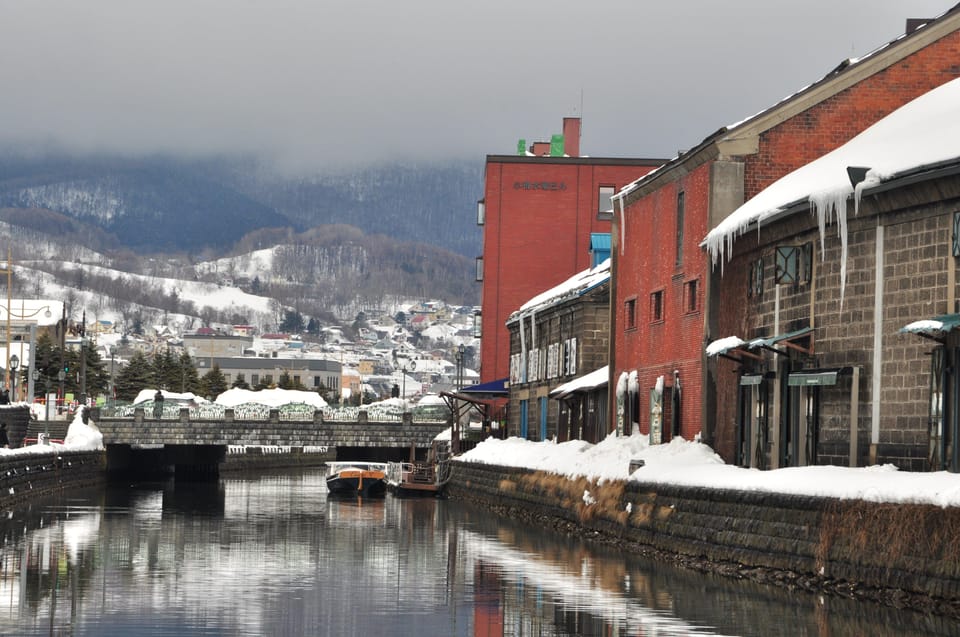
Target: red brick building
{"x": 538, "y": 211}
{"x": 668, "y": 303}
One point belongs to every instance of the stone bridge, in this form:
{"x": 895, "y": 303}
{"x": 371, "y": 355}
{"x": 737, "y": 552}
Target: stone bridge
{"x": 202, "y": 444}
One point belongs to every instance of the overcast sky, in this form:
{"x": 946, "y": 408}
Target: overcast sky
{"x": 317, "y": 83}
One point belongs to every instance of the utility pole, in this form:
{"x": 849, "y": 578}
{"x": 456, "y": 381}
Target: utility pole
{"x": 83, "y": 360}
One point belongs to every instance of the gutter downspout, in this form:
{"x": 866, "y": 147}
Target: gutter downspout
{"x": 877, "y": 348}
{"x": 615, "y": 243}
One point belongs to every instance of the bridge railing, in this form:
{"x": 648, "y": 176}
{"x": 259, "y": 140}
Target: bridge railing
{"x": 294, "y": 412}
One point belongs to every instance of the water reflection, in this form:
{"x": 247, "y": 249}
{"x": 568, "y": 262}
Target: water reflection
{"x": 275, "y": 556}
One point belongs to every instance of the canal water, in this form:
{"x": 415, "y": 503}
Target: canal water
{"x": 273, "y": 555}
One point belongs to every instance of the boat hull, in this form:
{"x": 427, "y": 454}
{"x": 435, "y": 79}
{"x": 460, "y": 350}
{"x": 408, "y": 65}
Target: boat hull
{"x": 357, "y": 481}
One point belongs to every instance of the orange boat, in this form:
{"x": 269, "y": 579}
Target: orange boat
{"x": 365, "y": 479}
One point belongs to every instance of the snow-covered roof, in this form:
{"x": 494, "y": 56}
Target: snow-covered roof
{"x": 921, "y": 134}
{"x": 594, "y": 379}
{"x": 847, "y": 68}
{"x": 573, "y": 287}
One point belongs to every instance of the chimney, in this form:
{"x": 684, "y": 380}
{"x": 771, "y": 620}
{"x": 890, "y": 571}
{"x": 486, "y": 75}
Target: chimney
{"x": 571, "y": 136}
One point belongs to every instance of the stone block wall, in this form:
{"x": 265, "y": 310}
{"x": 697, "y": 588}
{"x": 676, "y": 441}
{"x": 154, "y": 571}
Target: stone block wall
{"x": 25, "y": 477}
{"x": 585, "y": 318}
{"x": 889, "y": 552}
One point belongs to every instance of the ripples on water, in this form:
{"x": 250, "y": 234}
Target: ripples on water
{"x": 275, "y": 556}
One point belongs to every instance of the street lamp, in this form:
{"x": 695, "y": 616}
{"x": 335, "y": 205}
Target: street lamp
{"x": 460, "y": 356}
{"x": 14, "y": 364}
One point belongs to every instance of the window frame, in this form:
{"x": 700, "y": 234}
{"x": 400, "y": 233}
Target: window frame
{"x": 691, "y": 296}
{"x": 657, "y": 310}
{"x": 605, "y": 215}
{"x": 630, "y": 313}
{"x": 681, "y": 213}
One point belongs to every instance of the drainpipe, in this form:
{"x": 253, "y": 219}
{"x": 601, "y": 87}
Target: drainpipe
{"x": 877, "y": 348}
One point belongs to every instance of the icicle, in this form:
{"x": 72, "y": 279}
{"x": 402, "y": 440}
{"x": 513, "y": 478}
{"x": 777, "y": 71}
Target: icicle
{"x": 826, "y": 205}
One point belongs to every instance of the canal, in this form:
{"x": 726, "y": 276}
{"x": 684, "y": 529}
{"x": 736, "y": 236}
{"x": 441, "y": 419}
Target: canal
{"x": 273, "y": 555}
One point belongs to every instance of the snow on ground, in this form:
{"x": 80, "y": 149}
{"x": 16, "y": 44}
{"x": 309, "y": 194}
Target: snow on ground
{"x": 269, "y": 397}
{"x": 687, "y": 463}
{"x": 80, "y": 437}
{"x": 148, "y": 394}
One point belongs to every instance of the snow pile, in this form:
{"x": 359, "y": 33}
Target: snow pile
{"x": 681, "y": 462}
{"x": 81, "y": 437}
{"x": 269, "y": 397}
{"x": 146, "y": 395}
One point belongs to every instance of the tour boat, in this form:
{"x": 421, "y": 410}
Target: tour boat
{"x": 356, "y": 478}
{"x": 417, "y": 478}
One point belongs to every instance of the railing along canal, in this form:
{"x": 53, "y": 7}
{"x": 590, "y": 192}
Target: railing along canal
{"x": 294, "y": 412}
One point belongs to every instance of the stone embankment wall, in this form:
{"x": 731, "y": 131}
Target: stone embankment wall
{"x": 28, "y": 476}
{"x": 906, "y": 555}
{"x": 240, "y": 459}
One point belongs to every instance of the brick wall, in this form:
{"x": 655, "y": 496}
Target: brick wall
{"x": 539, "y": 216}
{"x": 648, "y": 265}
{"x": 820, "y": 129}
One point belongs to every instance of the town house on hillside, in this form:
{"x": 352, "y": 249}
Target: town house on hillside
{"x": 669, "y": 303}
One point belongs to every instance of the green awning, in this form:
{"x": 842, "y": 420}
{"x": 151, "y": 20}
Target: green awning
{"x": 936, "y": 328}
{"x": 813, "y": 377}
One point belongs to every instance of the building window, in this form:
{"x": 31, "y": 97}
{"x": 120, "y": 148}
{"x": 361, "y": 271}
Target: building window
{"x": 691, "y": 296}
{"x": 481, "y": 212}
{"x": 786, "y": 265}
{"x": 630, "y": 313}
{"x": 255, "y": 379}
{"x": 680, "y": 213}
{"x": 269, "y": 379}
{"x": 479, "y": 268}
{"x": 477, "y": 324}
{"x": 296, "y": 380}
{"x": 794, "y": 264}
{"x": 316, "y": 381}
{"x": 605, "y": 202}
{"x": 755, "y": 279}
{"x": 656, "y": 306}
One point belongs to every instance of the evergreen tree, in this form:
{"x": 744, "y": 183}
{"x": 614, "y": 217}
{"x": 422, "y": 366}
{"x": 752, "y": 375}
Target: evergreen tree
{"x": 262, "y": 384}
{"x": 313, "y": 326}
{"x": 135, "y": 377}
{"x": 189, "y": 378}
{"x": 166, "y": 370}
{"x": 292, "y": 322}
{"x": 213, "y": 383}
{"x": 285, "y": 382}
{"x": 240, "y": 382}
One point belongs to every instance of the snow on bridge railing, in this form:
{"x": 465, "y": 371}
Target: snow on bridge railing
{"x": 295, "y": 412}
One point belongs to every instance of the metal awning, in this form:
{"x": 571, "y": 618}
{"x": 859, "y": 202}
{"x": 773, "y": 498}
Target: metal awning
{"x": 588, "y": 382}
{"x": 936, "y": 328}
{"x": 726, "y": 347}
{"x": 812, "y": 377}
{"x": 782, "y": 339}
